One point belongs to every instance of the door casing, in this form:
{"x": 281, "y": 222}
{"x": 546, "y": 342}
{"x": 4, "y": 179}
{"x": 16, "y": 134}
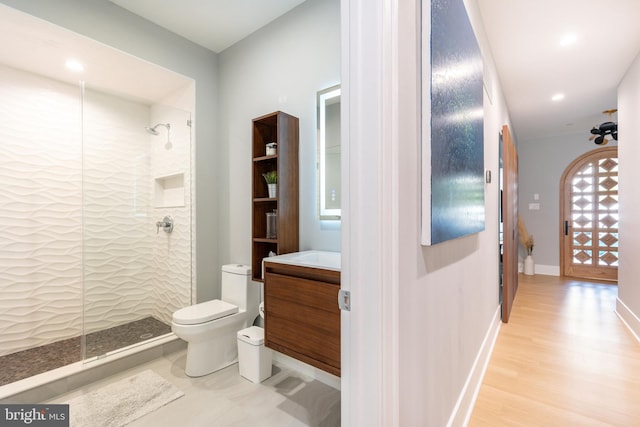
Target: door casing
{"x": 567, "y": 267}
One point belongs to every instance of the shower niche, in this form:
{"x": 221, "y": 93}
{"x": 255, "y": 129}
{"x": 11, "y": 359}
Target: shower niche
{"x": 169, "y": 191}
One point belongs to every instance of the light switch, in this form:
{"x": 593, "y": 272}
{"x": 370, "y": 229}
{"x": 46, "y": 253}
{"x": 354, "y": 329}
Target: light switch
{"x": 536, "y": 196}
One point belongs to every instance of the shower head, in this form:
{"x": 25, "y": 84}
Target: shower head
{"x": 153, "y": 130}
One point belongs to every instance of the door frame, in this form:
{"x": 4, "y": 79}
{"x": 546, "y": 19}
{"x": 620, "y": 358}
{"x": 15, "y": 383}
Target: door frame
{"x": 570, "y": 170}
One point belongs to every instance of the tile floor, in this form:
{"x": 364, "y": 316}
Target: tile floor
{"x": 26, "y": 363}
{"x": 224, "y": 398}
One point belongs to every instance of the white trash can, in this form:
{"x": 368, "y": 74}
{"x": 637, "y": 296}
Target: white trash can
{"x": 254, "y": 360}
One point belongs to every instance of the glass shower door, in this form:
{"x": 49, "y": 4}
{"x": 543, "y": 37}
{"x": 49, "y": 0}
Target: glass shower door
{"x": 136, "y": 168}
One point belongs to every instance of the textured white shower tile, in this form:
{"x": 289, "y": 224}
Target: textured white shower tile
{"x": 172, "y": 266}
{"x": 172, "y": 255}
{"x": 155, "y": 268}
{"x": 40, "y": 258}
{"x": 117, "y": 258}
{"x": 126, "y": 264}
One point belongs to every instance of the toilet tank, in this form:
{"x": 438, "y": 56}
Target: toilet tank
{"x": 237, "y": 287}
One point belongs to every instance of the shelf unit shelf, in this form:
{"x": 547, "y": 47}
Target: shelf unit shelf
{"x": 264, "y": 240}
{"x": 264, "y": 158}
{"x": 283, "y": 129}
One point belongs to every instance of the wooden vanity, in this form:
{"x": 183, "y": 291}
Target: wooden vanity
{"x": 302, "y": 318}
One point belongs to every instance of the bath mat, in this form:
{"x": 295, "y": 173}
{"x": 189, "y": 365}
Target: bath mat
{"x": 122, "y": 402}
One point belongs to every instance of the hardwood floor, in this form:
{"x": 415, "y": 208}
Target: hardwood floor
{"x": 564, "y": 359}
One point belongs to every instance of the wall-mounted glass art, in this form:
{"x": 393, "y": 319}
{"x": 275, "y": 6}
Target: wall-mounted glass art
{"x": 452, "y": 124}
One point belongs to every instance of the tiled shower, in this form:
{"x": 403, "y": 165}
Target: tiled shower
{"x": 83, "y": 185}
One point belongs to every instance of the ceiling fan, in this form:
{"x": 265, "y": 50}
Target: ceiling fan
{"x": 607, "y": 128}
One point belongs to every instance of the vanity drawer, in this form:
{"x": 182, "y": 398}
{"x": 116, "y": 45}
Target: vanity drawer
{"x": 302, "y": 319}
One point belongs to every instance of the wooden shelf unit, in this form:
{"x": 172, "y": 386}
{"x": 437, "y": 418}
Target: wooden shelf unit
{"x": 283, "y": 129}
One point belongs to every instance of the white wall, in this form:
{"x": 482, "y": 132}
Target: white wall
{"x": 628, "y": 305}
{"x": 280, "y": 67}
{"x": 420, "y": 315}
{"x": 114, "y": 26}
{"x": 449, "y": 292}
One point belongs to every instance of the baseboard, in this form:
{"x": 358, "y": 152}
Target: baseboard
{"x": 547, "y": 270}
{"x": 464, "y": 406}
{"x": 629, "y": 318}
{"x": 283, "y": 360}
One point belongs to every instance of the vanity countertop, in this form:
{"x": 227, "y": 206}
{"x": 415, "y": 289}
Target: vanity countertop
{"x": 314, "y": 259}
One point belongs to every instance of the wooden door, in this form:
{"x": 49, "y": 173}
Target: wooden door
{"x": 509, "y": 222}
{"x": 589, "y": 216}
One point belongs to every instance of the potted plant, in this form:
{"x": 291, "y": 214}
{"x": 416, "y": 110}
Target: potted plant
{"x": 271, "y": 178}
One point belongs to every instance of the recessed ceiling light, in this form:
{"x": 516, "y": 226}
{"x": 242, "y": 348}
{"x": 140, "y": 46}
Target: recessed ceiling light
{"x": 74, "y": 65}
{"x": 557, "y": 97}
{"x": 568, "y": 40}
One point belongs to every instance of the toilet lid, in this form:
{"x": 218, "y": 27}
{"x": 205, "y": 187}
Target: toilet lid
{"x": 204, "y": 312}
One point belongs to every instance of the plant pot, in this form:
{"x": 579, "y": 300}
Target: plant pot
{"x": 529, "y": 266}
{"x": 272, "y": 190}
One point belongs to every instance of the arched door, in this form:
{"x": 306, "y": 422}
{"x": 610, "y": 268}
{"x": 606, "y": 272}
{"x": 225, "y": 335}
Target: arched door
{"x": 589, "y": 216}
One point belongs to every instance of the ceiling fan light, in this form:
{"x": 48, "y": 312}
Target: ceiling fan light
{"x": 608, "y": 127}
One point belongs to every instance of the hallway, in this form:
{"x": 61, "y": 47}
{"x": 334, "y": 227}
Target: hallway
{"x": 564, "y": 359}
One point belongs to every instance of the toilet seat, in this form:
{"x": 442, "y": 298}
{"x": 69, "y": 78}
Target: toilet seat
{"x": 204, "y": 312}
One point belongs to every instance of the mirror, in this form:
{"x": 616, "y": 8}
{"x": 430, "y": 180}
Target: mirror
{"x": 329, "y": 153}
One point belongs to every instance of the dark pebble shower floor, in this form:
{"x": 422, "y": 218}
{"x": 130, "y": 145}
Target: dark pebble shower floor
{"x": 26, "y": 363}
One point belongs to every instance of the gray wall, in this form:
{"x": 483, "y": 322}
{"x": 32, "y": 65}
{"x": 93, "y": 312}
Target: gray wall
{"x": 541, "y": 165}
{"x": 103, "y": 21}
{"x": 280, "y": 67}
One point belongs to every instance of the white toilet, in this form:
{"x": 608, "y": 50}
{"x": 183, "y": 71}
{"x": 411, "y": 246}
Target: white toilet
{"x": 210, "y": 328}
